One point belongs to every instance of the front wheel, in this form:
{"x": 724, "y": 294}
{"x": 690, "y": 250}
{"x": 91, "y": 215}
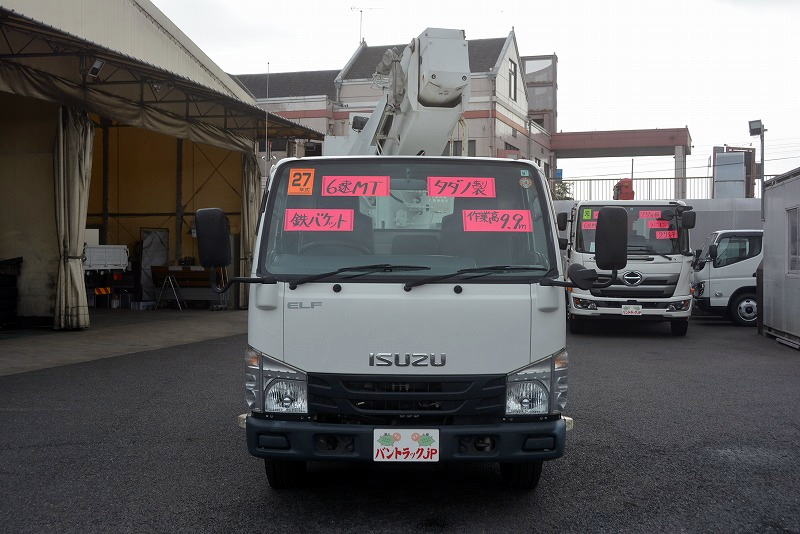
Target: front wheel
{"x": 679, "y": 327}
{"x": 744, "y": 310}
{"x": 521, "y": 476}
{"x": 283, "y": 474}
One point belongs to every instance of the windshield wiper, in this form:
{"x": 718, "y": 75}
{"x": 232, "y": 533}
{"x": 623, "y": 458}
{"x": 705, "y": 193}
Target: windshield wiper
{"x": 647, "y": 250}
{"x": 385, "y": 267}
{"x": 486, "y": 270}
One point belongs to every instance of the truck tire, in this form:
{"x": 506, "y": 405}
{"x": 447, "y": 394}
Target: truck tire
{"x": 521, "y": 476}
{"x": 744, "y": 309}
{"x": 679, "y": 327}
{"x": 576, "y": 325}
{"x": 283, "y": 474}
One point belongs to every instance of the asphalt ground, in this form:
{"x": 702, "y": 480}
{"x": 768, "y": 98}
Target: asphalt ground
{"x": 671, "y": 434}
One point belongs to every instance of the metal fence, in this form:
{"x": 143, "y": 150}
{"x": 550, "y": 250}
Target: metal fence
{"x": 697, "y": 187}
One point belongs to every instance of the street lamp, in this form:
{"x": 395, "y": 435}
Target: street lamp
{"x": 757, "y": 129}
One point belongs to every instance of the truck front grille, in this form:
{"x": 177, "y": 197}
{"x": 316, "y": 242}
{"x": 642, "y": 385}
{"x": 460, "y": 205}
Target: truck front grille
{"x": 653, "y": 287}
{"x": 376, "y": 399}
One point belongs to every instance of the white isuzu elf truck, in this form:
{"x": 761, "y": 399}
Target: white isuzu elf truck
{"x": 406, "y": 308}
{"x": 657, "y": 282}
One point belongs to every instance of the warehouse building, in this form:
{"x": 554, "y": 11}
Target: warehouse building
{"x": 112, "y": 119}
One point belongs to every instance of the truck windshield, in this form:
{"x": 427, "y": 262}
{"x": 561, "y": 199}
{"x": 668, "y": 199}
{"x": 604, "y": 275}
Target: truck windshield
{"x": 651, "y": 230}
{"x": 439, "y": 215}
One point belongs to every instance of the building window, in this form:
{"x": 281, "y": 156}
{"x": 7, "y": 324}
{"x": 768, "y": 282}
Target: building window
{"x": 457, "y": 148}
{"x": 512, "y": 80}
{"x": 794, "y": 239}
{"x": 511, "y": 147}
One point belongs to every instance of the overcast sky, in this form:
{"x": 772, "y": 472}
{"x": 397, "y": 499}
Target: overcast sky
{"x": 709, "y": 65}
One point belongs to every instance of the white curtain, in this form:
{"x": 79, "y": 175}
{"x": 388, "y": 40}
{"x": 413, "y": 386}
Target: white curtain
{"x": 73, "y": 171}
{"x": 251, "y": 200}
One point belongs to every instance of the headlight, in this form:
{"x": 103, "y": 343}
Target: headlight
{"x": 273, "y": 386}
{"x": 681, "y": 305}
{"x": 539, "y": 388}
{"x": 286, "y": 396}
{"x": 584, "y": 304}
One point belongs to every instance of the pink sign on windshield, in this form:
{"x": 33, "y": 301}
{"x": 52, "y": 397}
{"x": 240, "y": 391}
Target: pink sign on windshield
{"x": 461, "y": 186}
{"x": 497, "y": 220}
{"x": 649, "y": 214}
{"x": 355, "y": 186}
{"x": 667, "y": 234}
{"x": 321, "y": 220}
{"x": 657, "y": 224}
{"x": 589, "y": 225}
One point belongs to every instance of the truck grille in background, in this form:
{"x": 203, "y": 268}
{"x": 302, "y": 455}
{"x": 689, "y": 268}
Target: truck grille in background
{"x": 360, "y": 398}
{"x": 653, "y": 286}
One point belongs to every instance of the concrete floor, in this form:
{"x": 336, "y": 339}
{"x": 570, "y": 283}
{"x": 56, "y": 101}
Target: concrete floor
{"x": 694, "y": 434}
{"x": 114, "y": 333}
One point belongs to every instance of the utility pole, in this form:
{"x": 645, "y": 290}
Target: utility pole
{"x": 266, "y": 124}
{"x": 757, "y": 129}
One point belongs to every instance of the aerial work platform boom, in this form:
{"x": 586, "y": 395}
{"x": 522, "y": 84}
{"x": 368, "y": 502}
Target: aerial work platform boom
{"x": 426, "y": 89}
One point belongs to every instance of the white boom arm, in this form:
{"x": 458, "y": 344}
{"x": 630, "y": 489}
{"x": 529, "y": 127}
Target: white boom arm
{"x": 428, "y": 90}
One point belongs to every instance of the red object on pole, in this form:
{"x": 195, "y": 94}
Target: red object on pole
{"x": 623, "y": 190}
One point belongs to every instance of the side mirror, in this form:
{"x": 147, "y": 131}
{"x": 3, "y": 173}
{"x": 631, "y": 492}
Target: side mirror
{"x": 688, "y": 219}
{"x": 581, "y": 276}
{"x": 611, "y": 239}
{"x": 697, "y": 252}
{"x": 712, "y": 252}
{"x": 562, "y": 219}
{"x": 562, "y": 243}
{"x": 213, "y": 237}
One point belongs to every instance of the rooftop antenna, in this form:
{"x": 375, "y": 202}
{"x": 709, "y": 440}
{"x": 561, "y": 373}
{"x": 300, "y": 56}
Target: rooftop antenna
{"x": 266, "y": 122}
{"x": 361, "y": 20}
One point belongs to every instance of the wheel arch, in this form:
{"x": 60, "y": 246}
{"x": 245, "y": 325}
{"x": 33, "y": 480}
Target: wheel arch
{"x": 740, "y": 291}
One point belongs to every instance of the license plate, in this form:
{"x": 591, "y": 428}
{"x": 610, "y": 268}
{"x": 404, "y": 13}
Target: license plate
{"x": 405, "y": 445}
{"x": 631, "y": 309}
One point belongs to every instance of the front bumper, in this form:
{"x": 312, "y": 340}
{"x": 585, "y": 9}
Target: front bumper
{"x": 652, "y": 309}
{"x": 298, "y": 440}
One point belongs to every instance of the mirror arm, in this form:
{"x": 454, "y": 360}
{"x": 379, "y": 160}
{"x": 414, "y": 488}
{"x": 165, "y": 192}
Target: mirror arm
{"x": 607, "y": 284}
{"x": 556, "y": 283}
{"x": 242, "y": 280}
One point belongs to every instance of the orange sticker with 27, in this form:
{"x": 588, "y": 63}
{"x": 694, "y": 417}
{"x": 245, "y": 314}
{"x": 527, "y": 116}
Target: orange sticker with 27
{"x": 301, "y": 181}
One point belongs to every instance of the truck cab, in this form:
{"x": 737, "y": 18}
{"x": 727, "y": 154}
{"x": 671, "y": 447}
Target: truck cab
{"x": 656, "y": 283}
{"x": 405, "y": 309}
{"x": 725, "y": 274}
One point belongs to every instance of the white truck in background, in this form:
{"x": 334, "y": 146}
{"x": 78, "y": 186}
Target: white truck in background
{"x": 657, "y": 282}
{"x": 406, "y": 308}
{"x": 725, "y": 274}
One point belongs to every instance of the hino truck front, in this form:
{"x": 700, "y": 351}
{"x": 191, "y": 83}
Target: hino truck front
{"x": 407, "y": 309}
{"x": 658, "y": 281}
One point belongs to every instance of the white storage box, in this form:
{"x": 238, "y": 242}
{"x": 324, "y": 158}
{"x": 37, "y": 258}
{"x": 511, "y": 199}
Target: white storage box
{"x": 105, "y": 257}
